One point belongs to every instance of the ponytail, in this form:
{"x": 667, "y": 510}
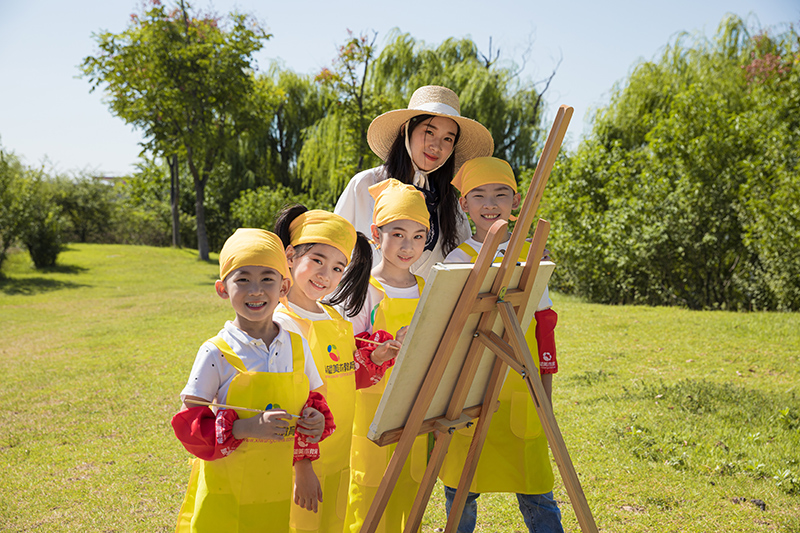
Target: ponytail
{"x": 352, "y": 290}
{"x": 285, "y": 219}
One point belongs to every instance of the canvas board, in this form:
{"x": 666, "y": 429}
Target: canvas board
{"x": 436, "y": 306}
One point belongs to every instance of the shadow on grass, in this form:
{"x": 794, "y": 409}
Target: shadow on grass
{"x": 31, "y": 286}
{"x": 63, "y": 269}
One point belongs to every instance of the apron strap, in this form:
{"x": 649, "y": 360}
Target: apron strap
{"x": 420, "y": 284}
{"x": 473, "y": 255}
{"x": 228, "y": 353}
{"x": 333, "y": 313}
{"x": 469, "y": 250}
{"x": 298, "y": 357}
{"x": 377, "y": 284}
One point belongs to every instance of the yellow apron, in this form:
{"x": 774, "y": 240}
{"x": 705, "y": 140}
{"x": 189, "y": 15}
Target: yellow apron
{"x": 515, "y": 455}
{"x": 368, "y": 461}
{"x": 333, "y": 345}
{"x": 251, "y": 489}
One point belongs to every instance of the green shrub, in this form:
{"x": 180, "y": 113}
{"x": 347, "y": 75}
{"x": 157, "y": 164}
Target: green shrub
{"x": 43, "y": 224}
{"x": 259, "y": 208}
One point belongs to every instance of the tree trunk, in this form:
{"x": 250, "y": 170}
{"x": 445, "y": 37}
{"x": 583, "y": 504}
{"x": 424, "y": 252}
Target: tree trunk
{"x": 199, "y": 205}
{"x": 174, "y": 200}
{"x": 200, "y": 215}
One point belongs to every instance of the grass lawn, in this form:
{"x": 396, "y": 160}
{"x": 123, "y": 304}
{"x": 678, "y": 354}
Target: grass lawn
{"x": 675, "y": 420}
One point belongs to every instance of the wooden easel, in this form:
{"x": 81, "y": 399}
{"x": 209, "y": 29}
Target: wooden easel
{"x": 511, "y": 351}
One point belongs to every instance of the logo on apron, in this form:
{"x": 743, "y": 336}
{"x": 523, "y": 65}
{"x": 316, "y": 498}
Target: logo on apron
{"x": 333, "y": 353}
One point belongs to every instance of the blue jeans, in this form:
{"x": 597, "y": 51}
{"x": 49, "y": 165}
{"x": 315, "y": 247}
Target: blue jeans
{"x": 540, "y": 511}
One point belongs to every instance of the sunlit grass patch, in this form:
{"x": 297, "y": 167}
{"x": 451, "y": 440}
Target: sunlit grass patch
{"x": 723, "y": 429}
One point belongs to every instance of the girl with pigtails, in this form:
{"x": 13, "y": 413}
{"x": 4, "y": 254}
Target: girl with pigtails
{"x": 328, "y": 259}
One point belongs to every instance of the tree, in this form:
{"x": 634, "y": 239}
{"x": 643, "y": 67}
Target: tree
{"x": 183, "y": 79}
{"x": 12, "y": 207}
{"x": 368, "y": 84}
{"x": 87, "y": 205}
{"x": 686, "y": 190}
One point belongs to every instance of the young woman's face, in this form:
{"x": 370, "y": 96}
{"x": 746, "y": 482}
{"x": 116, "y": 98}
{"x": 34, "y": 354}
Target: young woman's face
{"x": 402, "y": 242}
{"x": 316, "y": 274}
{"x": 432, "y": 142}
{"x": 487, "y": 204}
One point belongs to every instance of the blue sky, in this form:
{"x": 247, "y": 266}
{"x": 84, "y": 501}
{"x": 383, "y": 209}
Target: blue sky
{"x": 48, "y": 117}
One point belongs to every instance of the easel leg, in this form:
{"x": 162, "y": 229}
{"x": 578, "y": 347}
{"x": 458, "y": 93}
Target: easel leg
{"x": 548, "y": 420}
{"x": 426, "y": 487}
{"x": 476, "y": 445}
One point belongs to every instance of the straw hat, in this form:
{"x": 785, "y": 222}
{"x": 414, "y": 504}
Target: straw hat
{"x": 474, "y": 139}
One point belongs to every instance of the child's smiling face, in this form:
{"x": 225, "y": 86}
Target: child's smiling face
{"x": 254, "y": 292}
{"x": 402, "y": 242}
{"x": 487, "y": 204}
{"x": 316, "y": 273}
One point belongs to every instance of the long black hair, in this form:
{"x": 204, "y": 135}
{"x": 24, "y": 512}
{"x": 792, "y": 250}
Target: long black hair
{"x": 398, "y": 165}
{"x": 352, "y": 289}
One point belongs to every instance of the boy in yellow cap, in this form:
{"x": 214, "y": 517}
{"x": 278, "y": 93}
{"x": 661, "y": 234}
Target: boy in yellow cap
{"x": 400, "y": 225}
{"x": 515, "y": 455}
{"x": 258, "y": 376}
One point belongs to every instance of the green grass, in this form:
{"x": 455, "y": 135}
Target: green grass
{"x": 675, "y": 420}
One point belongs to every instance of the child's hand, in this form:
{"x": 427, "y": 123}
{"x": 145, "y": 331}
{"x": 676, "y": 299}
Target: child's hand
{"x": 386, "y": 351}
{"x": 307, "y": 490}
{"x": 401, "y": 334}
{"x": 546, "y": 256}
{"x": 271, "y": 425}
{"x": 312, "y": 424}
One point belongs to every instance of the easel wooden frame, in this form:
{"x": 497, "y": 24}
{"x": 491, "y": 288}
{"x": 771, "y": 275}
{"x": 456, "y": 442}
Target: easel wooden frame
{"x": 512, "y": 350}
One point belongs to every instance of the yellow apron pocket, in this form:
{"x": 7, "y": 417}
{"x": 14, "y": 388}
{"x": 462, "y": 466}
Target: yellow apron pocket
{"x": 524, "y": 420}
{"x": 369, "y": 462}
{"x": 419, "y": 458}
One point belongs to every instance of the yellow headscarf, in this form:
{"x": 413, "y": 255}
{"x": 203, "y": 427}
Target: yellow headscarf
{"x": 252, "y": 247}
{"x": 398, "y": 201}
{"x": 322, "y": 227}
{"x": 482, "y": 171}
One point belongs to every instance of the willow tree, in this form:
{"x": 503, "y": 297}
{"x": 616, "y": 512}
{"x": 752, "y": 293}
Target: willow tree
{"x": 369, "y": 82}
{"x": 183, "y": 78}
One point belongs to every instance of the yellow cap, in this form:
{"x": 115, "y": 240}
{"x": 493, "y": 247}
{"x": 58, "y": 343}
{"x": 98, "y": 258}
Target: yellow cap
{"x": 322, "y": 227}
{"x": 398, "y": 201}
{"x": 482, "y": 171}
{"x": 252, "y": 247}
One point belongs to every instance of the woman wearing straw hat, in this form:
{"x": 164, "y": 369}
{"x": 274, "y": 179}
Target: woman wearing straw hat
{"x": 423, "y": 145}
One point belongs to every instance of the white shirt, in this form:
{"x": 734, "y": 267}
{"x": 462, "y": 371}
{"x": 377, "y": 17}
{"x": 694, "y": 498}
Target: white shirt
{"x": 357, "y": 205}
{"x": 211, "y": 374}
{"x": 290, "y": 324}
{"x": 363, "y": 320}
{"x": 460, "y": 256}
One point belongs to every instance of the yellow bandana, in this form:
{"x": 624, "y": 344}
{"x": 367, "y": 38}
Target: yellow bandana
{"x": 397, "y": 201}
{"x": 482, "y": 171}
{"x": 252, "y": 247}
{"x": 321, "y": 227}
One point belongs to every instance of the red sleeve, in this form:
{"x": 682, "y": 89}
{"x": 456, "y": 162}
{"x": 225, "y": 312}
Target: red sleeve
{"x": 205, "y": 435}
{"x": 546, "y": 320}
{"x": 367, "y": 372}
{"x": 310, "y": 450}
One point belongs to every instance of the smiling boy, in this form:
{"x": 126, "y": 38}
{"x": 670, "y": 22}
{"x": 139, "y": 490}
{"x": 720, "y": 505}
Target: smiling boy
{"x": 251, "y": 364}
{"x": 515, "y": 454}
